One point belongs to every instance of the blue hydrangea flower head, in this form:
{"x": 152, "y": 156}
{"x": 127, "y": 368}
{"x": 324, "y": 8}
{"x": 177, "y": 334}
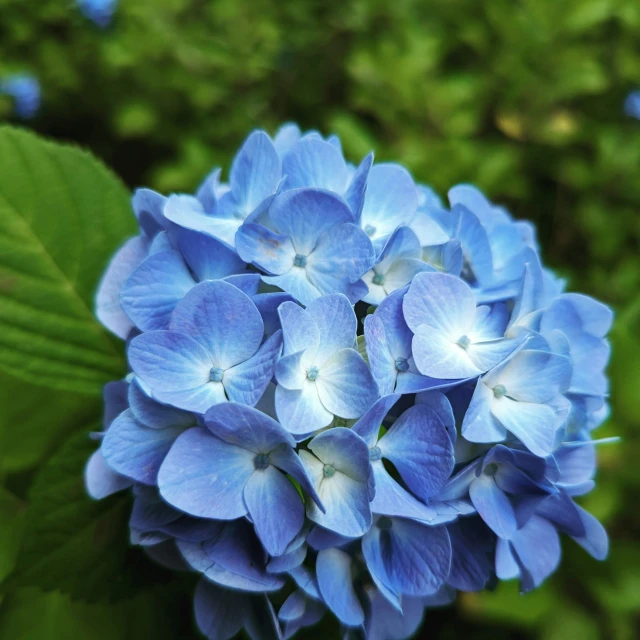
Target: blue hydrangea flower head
{"x": 26, "y": 94}
{"x": 347, "y": 395}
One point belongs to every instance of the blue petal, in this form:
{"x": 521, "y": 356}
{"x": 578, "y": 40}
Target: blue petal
{"x": 392, "y": 500}
{"x": 537, "y": 551}
{"x": 442, "y": 302}
{"x": 336, "y": 586}
{"x": 533, "y": 424}
{"x": 299, "y": 330}
{"x": 428, "y": 231}
{"x": 346, "y": 500}
{"x": 248, "y": 283}
{"x": 247, "y": 382}
{"x": 305, "y": 214}
{"x": 287, "y": 459}
{"x": 151, "y": 293}
{"x": 288, "y": 561}
{"x": 246, "y": 427}
{"x": 135, "y": 450}
{"x": 207, "y": 257}
{"x": 533, "y": 376}
{"x": 346, "y": 386}
{"x": 101, "y": 480}
{"x": 275, "y": 507}
{"x": 315, "y": 163}
{"x": 267, "y": 304}
{"x": 122, "y": 265}
{"x": 420, "y": 448}
{"x": 153, "y": 414}
{"x": 148, "y": 207}
{"x": 398, "y": 335}
{"x": 471, "y": 545}
{"x": 342, "y": 255}
{"x": 344, "y": 450}
{"x": 391, "y": 200}
{"x": 205, "y": 477}
{"x": 416, "y": 558}
{"x": 443, "y": 409}
{"x": 255, "y": 172}
{"x": 506, "y": 566}
{"x": 355, "y": 193}
{"x": 291, "y": 372}
{"x": 266, "y": 249}
{"x": 475, "y": 244}
{"x": 301, "y": 411}
{"x": 198, "y": 399}
{"x": 223, "y": 320}
{"x": 386, "y": 621}
{"x": 381, "y": 360}
{"x": 438, "y": 356}
{"x": 209, "y": 191}
{"x": 295, "y": 282}
{"x": 493, "y": 506}
{"x": 168, "y": 361}
{"x": 337, "y": 324}
{"x": 595, "y": 540}
{"x": 479, "y": 424}
{"x": 220, "y": 613}
{"x": 115, "y": 398}
{"x": 369, "y": 424}
{"x": 286, "y": 136}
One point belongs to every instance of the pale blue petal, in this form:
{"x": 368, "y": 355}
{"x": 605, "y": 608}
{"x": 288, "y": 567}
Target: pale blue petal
{"x": 205, "y": 477}
{"x": 151, "y": 293}
{"x": 295, "y": 282}
{"x": 533, "y": 424}
{"x": 533, "y": 376}
{"x": 441, "y": 301}
{"x": 124, "y": 262}
{"x": 299, "y": 330}
{"x": 437, "y": 356}
{"x": 493, "y": 506}
{"x": 346, "y": 500}
{"x": 247, "y": 382}
{"x": 246, "y": 427}
{"x": 402, "y": 273}
{"x": 428, "y": 231}
{"x": 255, "y": 172}
{"x": 475, "y": 245}
{"x": 267, "y": 304}
{"x": 198, "y": 399}
{"x": 381, "y": 360}
{"x": 315, "y": 163}
{"x": 479, "y": 424}
{"x": 301, "y": 412}
{"x": 275, "y": 507}
{"x": 346, "y": 386}
{"x": 391, "y": 200}
{"x": 344, "y": 450}
{"x": 442, "y": 406}
{"x": 285, "y": 458}
{"x": 291, "y": 372}
{"x": 168, "y": 361}
{"x": 335, "y": 581}
{"x": 266, "y": 249}
{"x": 595, "y": 540}
{"x": 209, "y": 191}
{"x": 248, "y": 283}
{"x": 342, "y": 255}
{"x": 421, "y": 450}
{"x": 336, "y": 321}
{"x": 392, "y": 500}
{"x": 486, "y": 355}
{"x": 135, "y": 450}
{"x": 506, "y": 566}
{"x": 305, "y": 214}
{"x": 223, "y": 320}
{"x": 101, "y": 480}
{"x": 489, "y": 323}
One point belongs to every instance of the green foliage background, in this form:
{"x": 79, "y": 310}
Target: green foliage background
{"x": 523, "y": 98}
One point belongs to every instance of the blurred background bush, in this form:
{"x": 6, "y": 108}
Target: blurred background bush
{"x": 522, "y": 97}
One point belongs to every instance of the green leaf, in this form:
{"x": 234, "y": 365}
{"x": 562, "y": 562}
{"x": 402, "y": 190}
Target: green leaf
{"x": 78, "y": 545}
{"x": 12, "y": 512}
{"x": 62, "y": 214}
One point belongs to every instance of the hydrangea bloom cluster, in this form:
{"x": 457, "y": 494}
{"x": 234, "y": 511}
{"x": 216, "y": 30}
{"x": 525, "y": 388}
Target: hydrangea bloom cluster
{"x": 346, "y": 397}
{"x": 25, "y": 91}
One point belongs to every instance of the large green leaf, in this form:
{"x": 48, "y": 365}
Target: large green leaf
{"x": 78, "y": 545}
{"x": 62, "y": 214}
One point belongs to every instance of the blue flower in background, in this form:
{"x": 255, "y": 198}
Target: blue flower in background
{"x": 343, "y": 390}
{"x": 632, "y": 104}
{"x": 98, "y": 11}
{"x": 25, "y": 91}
